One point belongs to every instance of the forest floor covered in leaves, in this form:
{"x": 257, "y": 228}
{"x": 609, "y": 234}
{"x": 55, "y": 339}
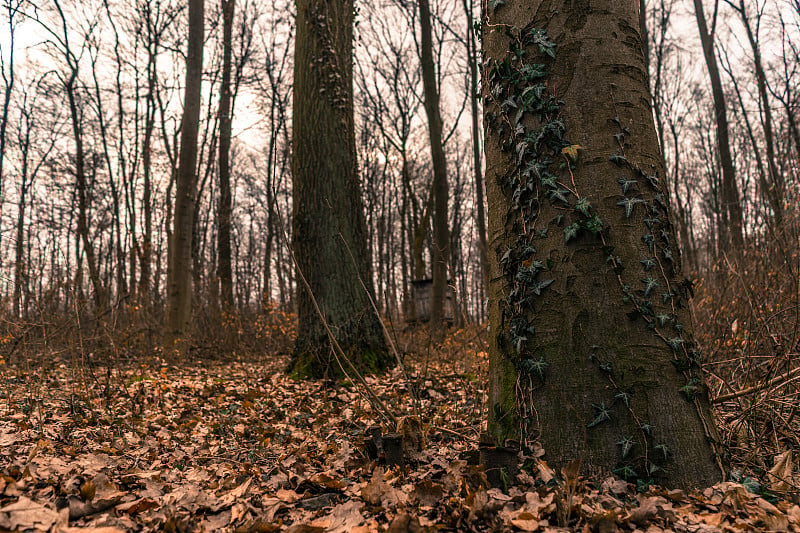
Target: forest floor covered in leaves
{"x": 240, "y": 446}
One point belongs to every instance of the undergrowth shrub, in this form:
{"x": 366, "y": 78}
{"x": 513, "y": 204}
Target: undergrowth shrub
{"x": 747, "y": 321}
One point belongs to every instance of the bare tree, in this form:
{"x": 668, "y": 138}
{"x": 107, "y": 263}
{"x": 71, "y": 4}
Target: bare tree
{"x": 731, "y": 226}
{"x": 441, "y": 239}
{"x": 179, "y": 282}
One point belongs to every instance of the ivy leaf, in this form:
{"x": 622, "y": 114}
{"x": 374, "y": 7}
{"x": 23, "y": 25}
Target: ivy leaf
{"x": 624, "y": 397}
{"x": 548, "y": 180}
{"x": 571, "y": 152}
{"x": 539, "y": 37}
{"x": 494, "y": 4}
{"x": 652, "y": 180}
{"x": 539, "y": 285}
{"x": 534, "y": 366}
{"x": 648, "y": 263}
{"x": 649, "y": 285}
{"x": 619, "y": 160}
{"x": 626, "y": 472}
{"x": 602, "y": 414}
{"x": 626, "y": 443}
{"x": 647, "y": 428}
{"x": 675, "y": 343}
{"x": 691, "y": 389}
{"x": 583, "y": 207}
{"x": 594, "y": 225}
{"x": 560, "y": 195}
{"x": 651, "y": 222}
{"x": 506, "y": 256}
{"x": 663, "y": 450}
{"x": 625, "y": 183}
{"x": 648, "y": 239}
{"x": 533, "y": 71}
{"x": 571, "y": 231}
{"x": 663, "y": 320}
{"x": 629, "y": 204}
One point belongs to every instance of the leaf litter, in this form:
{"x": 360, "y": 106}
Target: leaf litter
{"x": 242, "y": 447}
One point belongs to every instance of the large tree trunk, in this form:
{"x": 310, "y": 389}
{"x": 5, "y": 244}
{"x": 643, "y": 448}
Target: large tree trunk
{"x": 328, "y": 214}
{"x": 179, "y": 275}
{"x": 441, "y": 239}
{"x": 224, "y": 270}
{"x": 732, "y": 230}
{"x": 591, "y": 352}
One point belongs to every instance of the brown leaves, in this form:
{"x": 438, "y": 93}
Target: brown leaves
{"x": 243, "y": 448}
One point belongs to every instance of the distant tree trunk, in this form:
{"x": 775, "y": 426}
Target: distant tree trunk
{"x": 8, "y": 79}
{"x": 328, "y": 216}
{"x": 224, "y": 270}
{"x": 591, "y": 352}
{"x": 480, "y": 202}
{"x": 732, "y": 230}
{"x": 441, "y": 239}
{"x": 82, "y": 188}
{"x": 179, "y": 269}
{"x": 775, "y": 192}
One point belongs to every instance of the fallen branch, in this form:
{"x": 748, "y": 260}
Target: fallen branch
{"x": 775, "y": 382}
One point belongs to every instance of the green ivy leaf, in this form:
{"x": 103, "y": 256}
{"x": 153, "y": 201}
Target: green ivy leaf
{"x": 602, "y": 414}
{"x": 594, "y": 225}
{"x": 583, "y": 207}
{"x": 495, "y": 4}
{"x": 560, "y": 195}
{"x": 538, "y": 286}
{"x": 649, "y": 285}
{"x": 619, "y": 160}
{"x": 648, "y": 263}
{"x": 626, "y": 472}
{"x": 571, "y": 231}
{"x": 663, "y": 450}
{"x": 652, "y": 180}
{"x": 629, "y": 204}
{"x": 625, "y": 183}
{"x": 539, "y": 37}
{"x": 626, "y": 443}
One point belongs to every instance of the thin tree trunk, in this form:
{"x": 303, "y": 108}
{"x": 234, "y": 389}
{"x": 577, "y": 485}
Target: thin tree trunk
{"x": 224, "y": 270}
{"x": 732, "y": 210}
{"x": 441, "y": 239}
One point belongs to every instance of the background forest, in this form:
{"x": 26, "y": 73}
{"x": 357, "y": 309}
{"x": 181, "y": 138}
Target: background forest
{"x": 89, "y": 157}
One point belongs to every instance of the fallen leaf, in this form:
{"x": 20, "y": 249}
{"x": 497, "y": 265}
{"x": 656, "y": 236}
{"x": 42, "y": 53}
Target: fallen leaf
{"x": 526, "y": 521}
{"x": 27, "y": 514}
{"x": 780, "y": 475}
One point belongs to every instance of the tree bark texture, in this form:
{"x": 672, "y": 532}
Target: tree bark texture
{"x": 441, "y": 238}
{"x": 328, "y": 215}
{"x": 591, "y": 352}
{"x": 179, "y": 269}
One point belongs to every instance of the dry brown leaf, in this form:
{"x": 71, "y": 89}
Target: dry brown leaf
{"x": 377, "y": 491}
{"x": 27, "y": 514}
{"x": 428, "y": 493}
{"x": 781, "y": 474}
{"x": 526, "y": 521}
{"x": 106, "y": 529}
{"x": 288, "y": 496}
